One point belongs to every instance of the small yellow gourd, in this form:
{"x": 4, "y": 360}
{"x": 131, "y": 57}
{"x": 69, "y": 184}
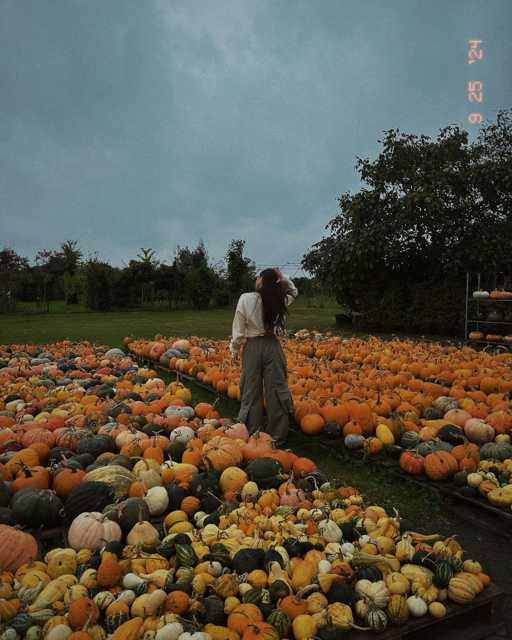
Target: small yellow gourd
{"x": 437, "y": 609}
{"x": 383, "y": 433}
{"x": 304, "y": 627}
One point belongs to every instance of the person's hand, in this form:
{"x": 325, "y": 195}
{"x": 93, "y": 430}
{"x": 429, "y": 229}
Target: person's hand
{"x": 235, "y": 357}
{"x": 278, "y": 274}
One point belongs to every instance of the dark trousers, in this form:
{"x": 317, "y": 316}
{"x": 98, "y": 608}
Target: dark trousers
{"x": 264, "y": 372}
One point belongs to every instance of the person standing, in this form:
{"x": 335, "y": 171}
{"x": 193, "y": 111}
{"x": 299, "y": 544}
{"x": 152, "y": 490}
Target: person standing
{"x": 260, "y": 318}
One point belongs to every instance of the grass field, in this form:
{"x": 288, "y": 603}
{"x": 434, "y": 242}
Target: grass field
{"x": 111, "y": 327}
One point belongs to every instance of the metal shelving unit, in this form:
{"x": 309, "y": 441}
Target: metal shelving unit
{"x": 473, "y": 308}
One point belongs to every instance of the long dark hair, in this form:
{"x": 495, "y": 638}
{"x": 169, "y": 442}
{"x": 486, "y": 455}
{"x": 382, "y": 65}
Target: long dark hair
{"x": 273, "y": 301}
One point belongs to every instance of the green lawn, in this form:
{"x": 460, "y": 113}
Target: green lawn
{"x": 110, "y": 328}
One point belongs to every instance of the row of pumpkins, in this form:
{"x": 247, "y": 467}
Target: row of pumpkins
{"x": 440, "y": 409}
{"x": 179, "y": 525}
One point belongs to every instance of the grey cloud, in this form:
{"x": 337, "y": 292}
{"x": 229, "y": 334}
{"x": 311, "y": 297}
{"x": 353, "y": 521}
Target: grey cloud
{"x": 127, "y": 123}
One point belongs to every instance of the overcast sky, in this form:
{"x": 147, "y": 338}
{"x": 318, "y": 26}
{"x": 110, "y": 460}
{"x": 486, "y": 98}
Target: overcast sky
{"x": 154, "y": 123}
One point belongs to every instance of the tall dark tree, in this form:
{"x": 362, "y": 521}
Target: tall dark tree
{"x": 398, "y": 251}
{"x": 195, "y": 278}
{"x": 13, "y": 269}
{"x": 167, "y": 281}
{"x": 143, "y": 273}
{"x": 100, "y": 284}
{"x": 240, "y": 270}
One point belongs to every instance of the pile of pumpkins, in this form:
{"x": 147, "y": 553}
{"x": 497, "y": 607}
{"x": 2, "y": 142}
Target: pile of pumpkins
{"x": 439, "y": 408}
{"x": 492, "y": 481}
{"x": 178, "y": 524}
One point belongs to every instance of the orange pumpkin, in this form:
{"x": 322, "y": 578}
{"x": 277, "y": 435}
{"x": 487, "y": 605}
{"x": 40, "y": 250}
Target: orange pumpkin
{"x": 221, "y": 452}
{"x": 177, "y": 602}
{"x": 242, "y": 616}
{"x": 312, "y": 424}
{"x": 293, "y": 605}
{"x": 440, "y": 465}
{"x": 190, "y": 505}
{"x": 82, "y": 611}
{"x": 257, "y": 446}
{"x": 66, "y": 480}
{"x": 31, "y": 478}
{"x": 302, "y": 466}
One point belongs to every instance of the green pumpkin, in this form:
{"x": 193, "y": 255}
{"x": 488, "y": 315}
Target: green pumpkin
{"x": 34, "y": 633}
{"x": 397, "y": 609}
{"x": 409, "y": 440}
{"x": 139, "y": 589}
{"x": 185, "y": 555}
{"x": 376, "y": 619}
{"x": 456, "y": 564}
{"x": 443, "y": 574}
{"x": 253, "y": 596}
{"x": 432, "y": 413}
{"x": 176, "y": 450}
{"x": 212, "y": 611}
{"x": 460, "y": 478}
{"x": 281, "y": 621}
{"x": 219, "y": 553}
{"x": 496, "y": 451}
{"x": 279, "y": 589}
{"x": 371, "y": 573}
{"x": 432, "y": 446}
{"x": 21, "y": 622}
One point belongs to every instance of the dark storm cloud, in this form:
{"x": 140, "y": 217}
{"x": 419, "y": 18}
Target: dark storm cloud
{"x": 130, "y": 123}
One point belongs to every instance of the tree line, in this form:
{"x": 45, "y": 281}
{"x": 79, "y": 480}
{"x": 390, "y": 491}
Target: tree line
{"x": 189, "y": 280}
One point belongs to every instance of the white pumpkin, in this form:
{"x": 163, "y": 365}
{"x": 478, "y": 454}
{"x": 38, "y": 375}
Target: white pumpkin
{"x": 417, "y": 606}
{"x": 182, "y": 434}
{"x": 375, "y": 592}
{"x": 92, "y": 531}
{"x": 478, "y": 431}
{"x": 324, "y": 566}
{"x": 127, "y": 596}
{"x": 361, "y": 608}
{"x": 333, "y": 551}
{"x": 171, "y": 631}
{"x": 250, "y": 491}
{"x": 348, "y": 550}
{"x": 181, "y": 412}
{"x": 131, "y": 581}
{"x": 474, "y": 479}
{"x": 157, "y": 500}
{"x": 330, "y": 531}
{"x": 59, "y": 632}
{"x": 181, "y": 345}
{"x": 148, "y": 604}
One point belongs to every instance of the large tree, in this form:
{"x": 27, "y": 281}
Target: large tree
{"x": 240, "y": 270}
{"x": 143, "y": 273}
{"x": 13, "y": 270}
{"x": 430, "y": 210}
